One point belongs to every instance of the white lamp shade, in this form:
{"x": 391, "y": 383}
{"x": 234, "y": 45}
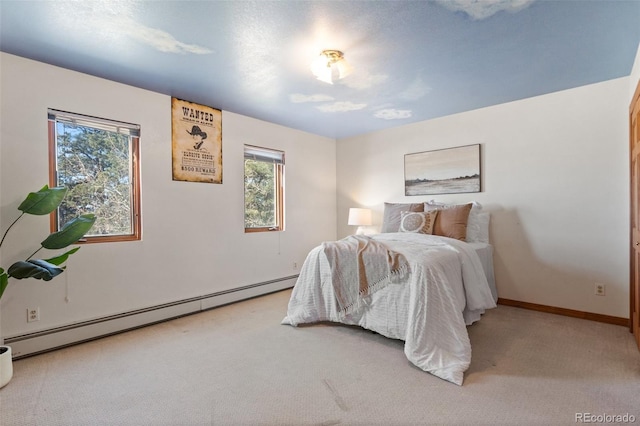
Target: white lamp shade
{"x": 344, "y": 68}
{"x": 321, "y": 68}
{"x": 360, "y": 217}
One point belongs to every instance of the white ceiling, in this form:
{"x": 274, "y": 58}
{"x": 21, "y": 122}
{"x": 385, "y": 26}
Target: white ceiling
{"x": 413, "y": 60}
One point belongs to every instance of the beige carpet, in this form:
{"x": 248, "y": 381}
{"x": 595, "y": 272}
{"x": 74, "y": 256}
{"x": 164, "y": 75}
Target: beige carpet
{"x": 237, "y": 365}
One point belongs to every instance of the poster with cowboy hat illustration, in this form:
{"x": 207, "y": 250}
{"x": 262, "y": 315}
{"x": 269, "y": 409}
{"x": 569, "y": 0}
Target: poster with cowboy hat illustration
{"x": 196, "y": 139}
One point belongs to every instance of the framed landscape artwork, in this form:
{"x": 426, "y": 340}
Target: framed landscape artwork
{"x": 443, "y": 171}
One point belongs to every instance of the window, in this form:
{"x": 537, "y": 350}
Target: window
{"x": 263, "y": 189}
{"x": 98, "y": 160}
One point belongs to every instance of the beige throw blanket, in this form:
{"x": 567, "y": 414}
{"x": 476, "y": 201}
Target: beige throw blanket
{"x": 359, "y": 267}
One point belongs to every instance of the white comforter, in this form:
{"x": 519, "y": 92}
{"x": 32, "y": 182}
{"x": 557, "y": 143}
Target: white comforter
{"x": 445, "y": 291}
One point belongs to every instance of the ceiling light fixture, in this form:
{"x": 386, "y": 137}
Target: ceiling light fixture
{"x": 330, "y": 63}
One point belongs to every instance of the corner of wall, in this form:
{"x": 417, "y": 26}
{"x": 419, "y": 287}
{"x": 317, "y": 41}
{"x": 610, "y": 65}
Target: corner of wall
{"x": 635, "y": 75}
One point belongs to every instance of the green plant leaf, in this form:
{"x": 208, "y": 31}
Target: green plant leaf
{"x": 44, "y": 201}
{"x": 4, "y": 281}
{"x": 36, "y": 268}
{"x": 71, "y": 232}
{"x": 59, "y": 260}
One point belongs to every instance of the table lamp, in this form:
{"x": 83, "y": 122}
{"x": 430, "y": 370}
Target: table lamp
{"x": 360, "y": 218}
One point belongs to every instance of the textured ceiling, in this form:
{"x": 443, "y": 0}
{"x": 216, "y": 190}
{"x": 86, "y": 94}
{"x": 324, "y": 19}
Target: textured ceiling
{"x": 413, "y": 60}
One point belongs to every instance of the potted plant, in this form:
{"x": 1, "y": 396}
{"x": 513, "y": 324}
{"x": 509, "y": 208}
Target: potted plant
{"x": 43, "y": 202}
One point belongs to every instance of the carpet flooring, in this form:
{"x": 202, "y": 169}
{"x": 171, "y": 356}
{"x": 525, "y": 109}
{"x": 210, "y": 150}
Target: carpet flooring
{"x": 237, "y": 365}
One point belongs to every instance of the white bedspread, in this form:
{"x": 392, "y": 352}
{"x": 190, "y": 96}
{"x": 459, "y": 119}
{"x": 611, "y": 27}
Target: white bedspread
{"x": 445, "y": 291}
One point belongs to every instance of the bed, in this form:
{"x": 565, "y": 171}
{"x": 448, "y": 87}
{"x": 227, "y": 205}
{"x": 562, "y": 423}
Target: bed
{"x": 442, "y": 285}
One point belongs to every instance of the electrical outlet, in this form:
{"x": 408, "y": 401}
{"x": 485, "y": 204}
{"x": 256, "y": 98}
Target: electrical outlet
{"x": 33, "y": 314}
{"x": 295, "y": 265}
{"x": 599, "y": 289}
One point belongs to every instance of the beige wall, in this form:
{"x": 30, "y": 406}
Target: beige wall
{"x": 635, "y": 75}
{"x": 554, "y": 173}
{"x": 193, "y": 233}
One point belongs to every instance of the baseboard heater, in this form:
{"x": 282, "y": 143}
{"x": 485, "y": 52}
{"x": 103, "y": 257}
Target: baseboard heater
{"x": 59, "y": 337}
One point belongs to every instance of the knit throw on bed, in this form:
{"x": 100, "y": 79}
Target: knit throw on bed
{"x": 359, "y": 267}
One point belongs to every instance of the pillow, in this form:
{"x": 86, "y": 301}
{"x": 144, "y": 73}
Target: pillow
{"x": 392, "y": 214}
{"x": 475, "y": 227}
{"x": 451, "y": 221}
{"x": 418, "y": 222}
{"x": 481, "y": 232}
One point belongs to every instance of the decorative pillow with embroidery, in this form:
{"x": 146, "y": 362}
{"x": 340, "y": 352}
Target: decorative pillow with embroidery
{"x": 392, "y": 214}
{"x": 418, "y": 222}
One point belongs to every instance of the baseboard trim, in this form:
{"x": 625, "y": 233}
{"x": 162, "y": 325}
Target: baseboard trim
{"x": 59, "y": 337}
{"x": 566, "y": 312}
